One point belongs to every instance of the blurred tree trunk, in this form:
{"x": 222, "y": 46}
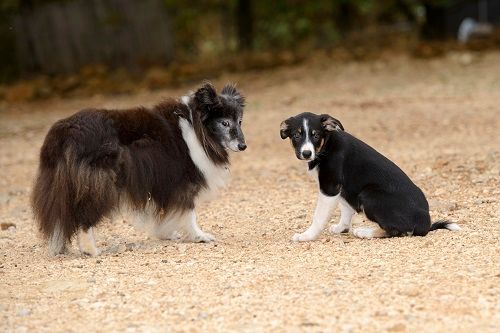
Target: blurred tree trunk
{"x": 244, "y": 22}
{"x": 345, "y": 15}
{"x": 435, "y": 22}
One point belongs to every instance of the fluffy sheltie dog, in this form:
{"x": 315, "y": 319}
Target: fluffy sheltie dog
{"x": 154, "y": 164}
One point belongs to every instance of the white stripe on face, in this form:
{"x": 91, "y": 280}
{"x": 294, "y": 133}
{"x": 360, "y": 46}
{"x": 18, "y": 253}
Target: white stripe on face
{"x": 307, "y": 145}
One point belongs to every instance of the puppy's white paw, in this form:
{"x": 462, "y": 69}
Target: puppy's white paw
{"x": 303, "y": 237}
{"x": 369, "y": 233}
{"x": 338, "y": 229}
{"x": 363, "y": 232}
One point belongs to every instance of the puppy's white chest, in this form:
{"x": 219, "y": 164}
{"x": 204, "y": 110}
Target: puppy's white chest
{"x": 313, "y": 173}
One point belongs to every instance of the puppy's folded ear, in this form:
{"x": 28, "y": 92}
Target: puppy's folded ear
{"x": 284, "y": 129}
{"x": 331, "y": 124}
{"x": 206, "y": 99}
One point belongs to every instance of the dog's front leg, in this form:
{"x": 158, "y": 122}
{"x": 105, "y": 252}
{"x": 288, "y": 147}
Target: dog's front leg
{"x": 86, "y": 242}
{"x": 192, "y": 232}
{"x": 324, "y": 209}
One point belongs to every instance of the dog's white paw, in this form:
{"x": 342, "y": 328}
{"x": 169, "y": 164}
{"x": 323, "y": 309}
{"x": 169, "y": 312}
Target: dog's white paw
{"x": 89, "y": 250}
{"x": 303, "y": 237}
{"x": 369, "y": 233}
{"x": 203, "y": 237}
{"x": 338, "y": 229}
{"x": 86, "y": 243}
{"x": 363, "y": 232}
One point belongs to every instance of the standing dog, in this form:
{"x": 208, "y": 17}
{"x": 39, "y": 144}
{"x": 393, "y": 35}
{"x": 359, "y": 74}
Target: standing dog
{"x": 157, "y": 164}
{"x": 360, "y": 179}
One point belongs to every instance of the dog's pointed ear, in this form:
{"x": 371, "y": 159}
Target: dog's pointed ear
{"x": 206, "y": 99}
{"x": 230, "y": 91}
{"x": 330, "y": 124}
{"x": 284, "y": 129}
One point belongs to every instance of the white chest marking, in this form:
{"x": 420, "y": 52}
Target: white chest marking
{"x": 313, "y": 173}
{"x": 215, "y": 176}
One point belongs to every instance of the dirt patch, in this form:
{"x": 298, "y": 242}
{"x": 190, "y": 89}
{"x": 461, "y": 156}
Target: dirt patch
{"x": 438, "y": 119}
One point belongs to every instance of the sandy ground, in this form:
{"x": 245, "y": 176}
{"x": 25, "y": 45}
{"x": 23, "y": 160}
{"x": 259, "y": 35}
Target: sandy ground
{"x": 439, "y": 120}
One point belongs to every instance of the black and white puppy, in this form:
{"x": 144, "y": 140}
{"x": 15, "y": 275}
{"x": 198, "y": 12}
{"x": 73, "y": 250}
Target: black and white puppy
{"x": 155, "y": 165}
{"x": 360, "y": 179}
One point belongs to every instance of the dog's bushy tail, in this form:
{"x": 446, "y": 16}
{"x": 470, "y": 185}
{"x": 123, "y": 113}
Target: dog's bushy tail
{"x": 443, "y": 224}
{"x": 71, "y": 189}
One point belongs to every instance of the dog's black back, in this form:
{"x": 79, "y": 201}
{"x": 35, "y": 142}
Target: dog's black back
{"x": 371, "y": 183}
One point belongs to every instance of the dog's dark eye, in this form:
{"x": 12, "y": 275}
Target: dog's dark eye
{"x": 239, "y": 122}
{"x": 225, "y": 123}
{"x": 296, "y": 136}
{"x": 316, "y": 136}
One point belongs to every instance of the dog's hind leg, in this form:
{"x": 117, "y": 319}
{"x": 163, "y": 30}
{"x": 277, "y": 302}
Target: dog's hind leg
{"x": 86, "y": 242}
{"x": 346, "y": 214}
{"x": 322, "y": 214}
{"x": 57, "y": 240}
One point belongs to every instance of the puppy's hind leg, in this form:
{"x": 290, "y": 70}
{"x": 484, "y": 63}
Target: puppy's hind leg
{"x": 346, "y": 214}
{"x": 322, "y": 214}
{"x": 86, "y": 242}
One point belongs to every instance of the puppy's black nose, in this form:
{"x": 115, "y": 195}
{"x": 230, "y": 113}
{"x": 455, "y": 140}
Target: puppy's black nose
{"x": 306, "y": 153}
{"x": 242, "y": 146}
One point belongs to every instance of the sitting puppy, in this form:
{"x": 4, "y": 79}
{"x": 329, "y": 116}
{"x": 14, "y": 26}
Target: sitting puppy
{"x": 154, "y": 164}
{"x": 353, "y": 174}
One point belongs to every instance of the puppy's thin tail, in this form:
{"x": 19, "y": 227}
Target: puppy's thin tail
{"x": 443, "y": 224}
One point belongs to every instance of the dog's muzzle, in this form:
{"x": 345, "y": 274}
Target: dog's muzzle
{"x": 237, "y": 146}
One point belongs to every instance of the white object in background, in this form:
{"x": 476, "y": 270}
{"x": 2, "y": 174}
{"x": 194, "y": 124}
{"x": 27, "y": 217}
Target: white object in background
{"x": 470, "y": 27}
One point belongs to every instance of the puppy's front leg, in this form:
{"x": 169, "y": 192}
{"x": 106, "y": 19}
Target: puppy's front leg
{"x": 322, "y": 214}
{"x": 346, "y": 214}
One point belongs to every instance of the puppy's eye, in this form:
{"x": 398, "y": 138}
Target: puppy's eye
{"x": 316, "y": 136}
{"x": 296, "y": 135}
{"x": 225, "y": 123}
{"x": 239, "y": 122}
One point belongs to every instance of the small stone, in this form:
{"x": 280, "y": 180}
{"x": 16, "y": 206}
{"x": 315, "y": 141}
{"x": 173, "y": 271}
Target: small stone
{"x": 4, "y": 199}
{"x": 7, "y": 225}
{"x": 120, "y": 248}
{"x": 24, "y": 312}
{"x": 309, "y": 324}
{"x": 397, "y": 328}
{"x": 130, "y": 246}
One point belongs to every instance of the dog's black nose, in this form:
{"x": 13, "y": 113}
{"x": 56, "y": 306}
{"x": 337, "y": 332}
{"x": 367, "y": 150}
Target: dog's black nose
{"x": 242, "y": 146}
{"x": 306, "y": 153}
